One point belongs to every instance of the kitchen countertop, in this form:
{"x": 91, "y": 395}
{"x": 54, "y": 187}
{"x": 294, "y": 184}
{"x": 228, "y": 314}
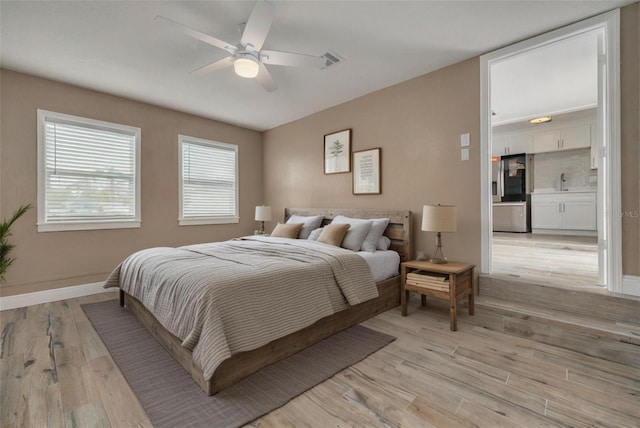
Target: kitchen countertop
{"x": 569, "y": 190}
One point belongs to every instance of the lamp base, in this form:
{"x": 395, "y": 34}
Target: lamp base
{"x": 438, "y": 256}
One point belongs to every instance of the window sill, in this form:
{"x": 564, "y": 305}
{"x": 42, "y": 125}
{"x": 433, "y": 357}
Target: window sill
{"x": 62, "y": 227}
{"x": 202, "y": 221}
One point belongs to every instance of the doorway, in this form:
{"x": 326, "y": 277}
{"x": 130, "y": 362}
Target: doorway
{"x": 604, "y": 132}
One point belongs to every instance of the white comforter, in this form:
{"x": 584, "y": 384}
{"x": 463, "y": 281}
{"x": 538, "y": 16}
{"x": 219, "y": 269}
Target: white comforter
{"x": 228, "y": 297}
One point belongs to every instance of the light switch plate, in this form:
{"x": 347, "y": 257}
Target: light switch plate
{"x": 464, "y": 154}
{"x": 464, "y": 140}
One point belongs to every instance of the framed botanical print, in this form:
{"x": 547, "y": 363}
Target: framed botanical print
{"x": 337, "y": 152}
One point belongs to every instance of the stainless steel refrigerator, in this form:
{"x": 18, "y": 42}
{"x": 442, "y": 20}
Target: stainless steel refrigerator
{"x": 511, "y": 181}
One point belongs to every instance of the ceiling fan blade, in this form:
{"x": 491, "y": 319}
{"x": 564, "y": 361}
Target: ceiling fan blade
{"x": 197, "y": 34}
{"x": 265, "y": 79}
{"x": 290, "y": 59}
{"x": 257, "y": 27}
{"x": 214, "y": 66}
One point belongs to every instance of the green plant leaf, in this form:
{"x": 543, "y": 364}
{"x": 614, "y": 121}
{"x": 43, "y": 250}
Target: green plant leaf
{"x": 5, "y": 233}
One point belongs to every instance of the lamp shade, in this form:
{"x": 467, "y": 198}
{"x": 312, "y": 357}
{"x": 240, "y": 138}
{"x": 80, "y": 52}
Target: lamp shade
{"x": 263, "y": 213}
{"x": 439, "y": 218}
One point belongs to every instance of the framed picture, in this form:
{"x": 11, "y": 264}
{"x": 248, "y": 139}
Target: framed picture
{"x": 337, "y": 152}
{"x": 366, "y": 172}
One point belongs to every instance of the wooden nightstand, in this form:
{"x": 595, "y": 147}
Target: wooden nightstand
{"x": 448, "y": 281}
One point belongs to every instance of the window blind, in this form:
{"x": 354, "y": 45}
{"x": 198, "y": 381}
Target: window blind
{"x": 209, "y": 180}
{"x": 90, "y": 172}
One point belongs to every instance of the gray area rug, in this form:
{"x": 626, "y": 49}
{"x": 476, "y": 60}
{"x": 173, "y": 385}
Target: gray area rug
{"x": 171, "y": 397}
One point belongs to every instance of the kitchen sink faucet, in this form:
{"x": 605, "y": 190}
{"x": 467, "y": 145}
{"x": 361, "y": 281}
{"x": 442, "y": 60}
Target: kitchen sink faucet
{"x": 562, "y": 181}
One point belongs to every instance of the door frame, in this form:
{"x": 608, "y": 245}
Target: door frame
{"x": 609, "y": 181}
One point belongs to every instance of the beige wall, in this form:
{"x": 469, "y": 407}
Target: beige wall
{"x": 55, "y": 259}
{"x": 630, "y": 136}
{"x": 417, "y": 124}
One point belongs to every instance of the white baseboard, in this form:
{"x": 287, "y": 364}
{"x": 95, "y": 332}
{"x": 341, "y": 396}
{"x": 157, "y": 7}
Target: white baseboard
{"x": 28, "y": 299}
{"x": 631, "y": 285}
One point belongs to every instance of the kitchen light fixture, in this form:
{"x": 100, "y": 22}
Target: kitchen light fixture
{"x": 439, "y": 218}
{"x": 541, "y": 119}
{"x": 263, "y": 214}
{"x": 246, "y": 65}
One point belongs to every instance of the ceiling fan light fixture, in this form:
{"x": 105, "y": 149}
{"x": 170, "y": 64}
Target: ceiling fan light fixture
{"x": 246, "y": 66}
{"x": 542, "y": 119}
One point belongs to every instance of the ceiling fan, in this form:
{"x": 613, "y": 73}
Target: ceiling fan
{"x": 248, "y": 58}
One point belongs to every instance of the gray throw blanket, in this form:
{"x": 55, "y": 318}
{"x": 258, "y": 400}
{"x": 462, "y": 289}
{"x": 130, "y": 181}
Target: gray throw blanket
{"x": 228, "y": 297}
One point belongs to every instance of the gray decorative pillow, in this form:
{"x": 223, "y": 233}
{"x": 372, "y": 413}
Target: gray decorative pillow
{"x": 310, "y": 223}
{"x": 357, "y": 233}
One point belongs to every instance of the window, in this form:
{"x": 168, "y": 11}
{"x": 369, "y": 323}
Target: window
{"x": 88, "y": 174}
{"x": 208, "y": 181}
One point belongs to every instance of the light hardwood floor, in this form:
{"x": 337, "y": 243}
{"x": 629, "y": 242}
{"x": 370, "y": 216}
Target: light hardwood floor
{"x": 555, "y": 260}
{"x": 56, "y": 372}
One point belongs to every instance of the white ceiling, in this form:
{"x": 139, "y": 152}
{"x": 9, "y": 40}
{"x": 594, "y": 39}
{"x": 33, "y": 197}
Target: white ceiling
{"x": 558, "y": 78}
{"x": 117, "y": 47}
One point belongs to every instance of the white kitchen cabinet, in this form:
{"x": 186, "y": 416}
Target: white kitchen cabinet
{"x": 563, "y": 212}
{"x": 562, "y": 138}
{"x": 546, "y": 212}
{"x": 579, "y": 211}
{"x": 510, "y": 144}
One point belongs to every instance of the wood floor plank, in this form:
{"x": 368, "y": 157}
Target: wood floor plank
{"x": 574, "y": 359}
{"x": 536, "y": 369}
{"x": 308, "y": 410}
{"x": 10, "y": 326}
{"x": 475, "y": 411}
{"x": 606, "y": 387}
{"x": 433, "y": 415}
{"x": 90, "y": 415}
{"x": 275, "y": 419}
{"x": 590, "y": 345}
{"x": 579, "y": 397}
{"x": 11, "y": 375}
{"x": 387, "y": 402}
{"x": 76, "y": 387}
{"x": 120, "y": 403}
{"x": 578, "y": 418}
{"x": 493, "y": 395}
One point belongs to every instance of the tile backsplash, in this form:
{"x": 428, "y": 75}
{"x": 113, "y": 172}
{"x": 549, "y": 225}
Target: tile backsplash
{"x": 576, "y": 165}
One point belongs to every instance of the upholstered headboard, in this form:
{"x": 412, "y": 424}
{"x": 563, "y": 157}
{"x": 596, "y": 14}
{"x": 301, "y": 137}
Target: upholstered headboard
{"x": 398, "y": 230}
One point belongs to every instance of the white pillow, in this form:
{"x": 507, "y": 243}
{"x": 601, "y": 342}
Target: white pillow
{"x": 378, "y": 226}
{"x": 384, "y": 243}
{"x": 315, "y": 234}
{"x": 370, "y": 243}
{"x": 309, "y": 223}
{"x": 357, "y": 233}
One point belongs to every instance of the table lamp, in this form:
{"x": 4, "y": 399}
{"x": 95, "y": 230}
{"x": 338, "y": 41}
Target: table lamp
{"x": 439, "y": 218}
{"x": 263, "y": 214}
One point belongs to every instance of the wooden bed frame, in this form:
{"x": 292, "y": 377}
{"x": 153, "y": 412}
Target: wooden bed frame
{"x": 243, "y": 364}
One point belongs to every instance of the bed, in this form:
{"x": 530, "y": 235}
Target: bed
{"x": 233, "y": 366}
